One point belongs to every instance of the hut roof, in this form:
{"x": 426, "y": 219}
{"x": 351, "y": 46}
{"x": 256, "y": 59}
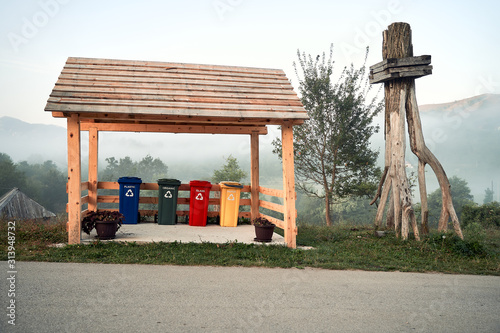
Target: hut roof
{"x": 105, "y": 90}
{"x": 16, "y": 204}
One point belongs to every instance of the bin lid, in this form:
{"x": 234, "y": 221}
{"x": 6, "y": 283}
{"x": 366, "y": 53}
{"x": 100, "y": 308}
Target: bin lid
{"x": 200, "y": 183}
{"x": 167, "y": 181}
{"x": 230, "y": 184}
{"x": 131, "y": 180}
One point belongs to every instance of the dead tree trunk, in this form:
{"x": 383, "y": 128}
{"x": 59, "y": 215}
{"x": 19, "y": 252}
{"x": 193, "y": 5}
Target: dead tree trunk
{"x": 398, "y": 72}
{"x": 425, "y": 156}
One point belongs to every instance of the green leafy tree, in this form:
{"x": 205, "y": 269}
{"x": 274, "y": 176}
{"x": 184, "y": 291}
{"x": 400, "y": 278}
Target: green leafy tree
{"x": 487, "y": 215}
{"x": 488, "y": 195}
{"x": 152, "y": 169}
{"x": 43, "y": 182}
{"x": 46, "y": 184}
{"x": 333, "y": 158}
{"x": 149, "y": 169}
{"x": 10, "y": 176}
{"x": 124, "y": 167}
{"x": 230, "y": 171}
{"x": 460, "y": 193}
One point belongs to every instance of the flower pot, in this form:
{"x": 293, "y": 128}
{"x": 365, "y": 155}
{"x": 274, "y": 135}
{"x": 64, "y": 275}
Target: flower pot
{"x": 106, "y": 229}
{"x": 264, "y": 233}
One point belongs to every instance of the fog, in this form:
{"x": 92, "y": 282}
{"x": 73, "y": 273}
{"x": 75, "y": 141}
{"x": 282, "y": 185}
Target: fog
{"x": 464, "y": 136}
{"x": 189, "y": 156}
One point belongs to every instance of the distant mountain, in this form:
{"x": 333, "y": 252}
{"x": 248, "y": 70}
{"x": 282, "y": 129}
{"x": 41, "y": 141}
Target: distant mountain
{"x": 34, "y": 143}
{"x": 481, "y": 102}
{"x": 464, "y": 135}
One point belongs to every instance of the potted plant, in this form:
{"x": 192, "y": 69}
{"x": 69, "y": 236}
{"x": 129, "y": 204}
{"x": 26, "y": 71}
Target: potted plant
{"x": 105, "y": 222}
{"x": 264, "y": 229}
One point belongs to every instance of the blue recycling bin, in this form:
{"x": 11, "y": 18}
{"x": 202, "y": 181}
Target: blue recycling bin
{"x": 129, "y": 198}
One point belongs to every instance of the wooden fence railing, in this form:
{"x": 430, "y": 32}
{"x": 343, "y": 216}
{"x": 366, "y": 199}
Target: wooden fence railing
{"x": 272, "y": 206}
{"x": 183, "y": 199}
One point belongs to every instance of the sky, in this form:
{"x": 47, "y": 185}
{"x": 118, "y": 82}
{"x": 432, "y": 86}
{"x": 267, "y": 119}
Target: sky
{"x": 36, "y": 38}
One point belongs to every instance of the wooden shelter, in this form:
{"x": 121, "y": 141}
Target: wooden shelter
{"x": 138, "y": 96}
{"x": 17, "y": 205}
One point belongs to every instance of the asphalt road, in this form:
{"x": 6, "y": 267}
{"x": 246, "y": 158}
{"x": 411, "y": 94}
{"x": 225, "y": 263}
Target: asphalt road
{"x": 67, "y": 297}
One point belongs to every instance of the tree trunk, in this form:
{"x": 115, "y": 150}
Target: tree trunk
{"x": 328, "y": 191}
{"x": 423, "y": 197}
{"x": 327, "y": 210}
{"x": 400, "y": 100}
{"x": 385, "y": 184}
{"x": 397, "y": 44}
{"x": 390, "y": 216}
{"x": 425, "y": 156}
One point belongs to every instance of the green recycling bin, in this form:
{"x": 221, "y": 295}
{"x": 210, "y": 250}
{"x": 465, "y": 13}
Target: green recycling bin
{"x": 167, "y": 200}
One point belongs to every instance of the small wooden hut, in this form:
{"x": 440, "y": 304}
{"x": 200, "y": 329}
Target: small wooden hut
{"x": 17, "y": 205}
{"x": 139, "y": 96}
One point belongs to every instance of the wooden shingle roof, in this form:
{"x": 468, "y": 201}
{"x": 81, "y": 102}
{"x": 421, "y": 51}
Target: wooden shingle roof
{"x": 16, "y": 204}
{"x": 157, "y": 92}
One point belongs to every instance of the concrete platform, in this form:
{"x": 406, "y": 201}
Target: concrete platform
{"x": 184, "y": 233}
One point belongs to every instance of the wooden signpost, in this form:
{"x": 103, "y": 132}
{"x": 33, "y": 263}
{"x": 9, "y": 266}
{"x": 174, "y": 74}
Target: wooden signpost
{"x": 398, "y": 72}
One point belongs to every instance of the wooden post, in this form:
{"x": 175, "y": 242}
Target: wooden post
{"x": 74, "y": 179}
{"x": 254, "y": 175}
{"x": 93, "y": 157}
{"x": 288, "y": 184}
{"x": 398, "y": 44}
{"x": 398, "y": 72}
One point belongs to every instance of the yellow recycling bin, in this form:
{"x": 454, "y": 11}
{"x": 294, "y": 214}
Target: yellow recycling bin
{"x": 229, "y": 203}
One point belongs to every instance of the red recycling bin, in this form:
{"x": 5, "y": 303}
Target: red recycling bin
{"x": 198, "y": 202}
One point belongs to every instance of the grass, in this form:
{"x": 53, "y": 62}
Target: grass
{"x": 339, "y": 247}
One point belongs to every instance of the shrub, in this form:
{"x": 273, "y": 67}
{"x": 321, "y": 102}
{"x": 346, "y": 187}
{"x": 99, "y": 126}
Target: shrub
{"x": 475, "y": 232}
{"x": 469, "y": 247}
{"x": 487, "y": 215}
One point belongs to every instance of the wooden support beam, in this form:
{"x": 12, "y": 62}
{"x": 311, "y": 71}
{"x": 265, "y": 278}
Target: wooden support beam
{"x": 254, "y": 174}
{"x": 272, "y": 206}
{"x": 400, "y": 62}
{"x": 288, "y": 184}
{"x": 74, "y": 179}
{"x": 399, "y": 73}
{"x": 93, "y": 160}
{"x": 272, "y": 192}
{"x": 165, "y": 128}
{"x": 170, "y": 119}
{"x": 167, "y": 119}
{"x": 57, "y": 114}
{"x": 395, "y": 68}
{"x": 277, "y": 222}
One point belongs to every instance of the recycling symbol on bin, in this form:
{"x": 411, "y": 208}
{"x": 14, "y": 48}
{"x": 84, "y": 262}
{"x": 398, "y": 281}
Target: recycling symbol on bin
{"x": 230, "y": 197}
{"x": 168, "y": 195}
{"x": 129, "y": 193}
{"x": 199, "y": 196}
